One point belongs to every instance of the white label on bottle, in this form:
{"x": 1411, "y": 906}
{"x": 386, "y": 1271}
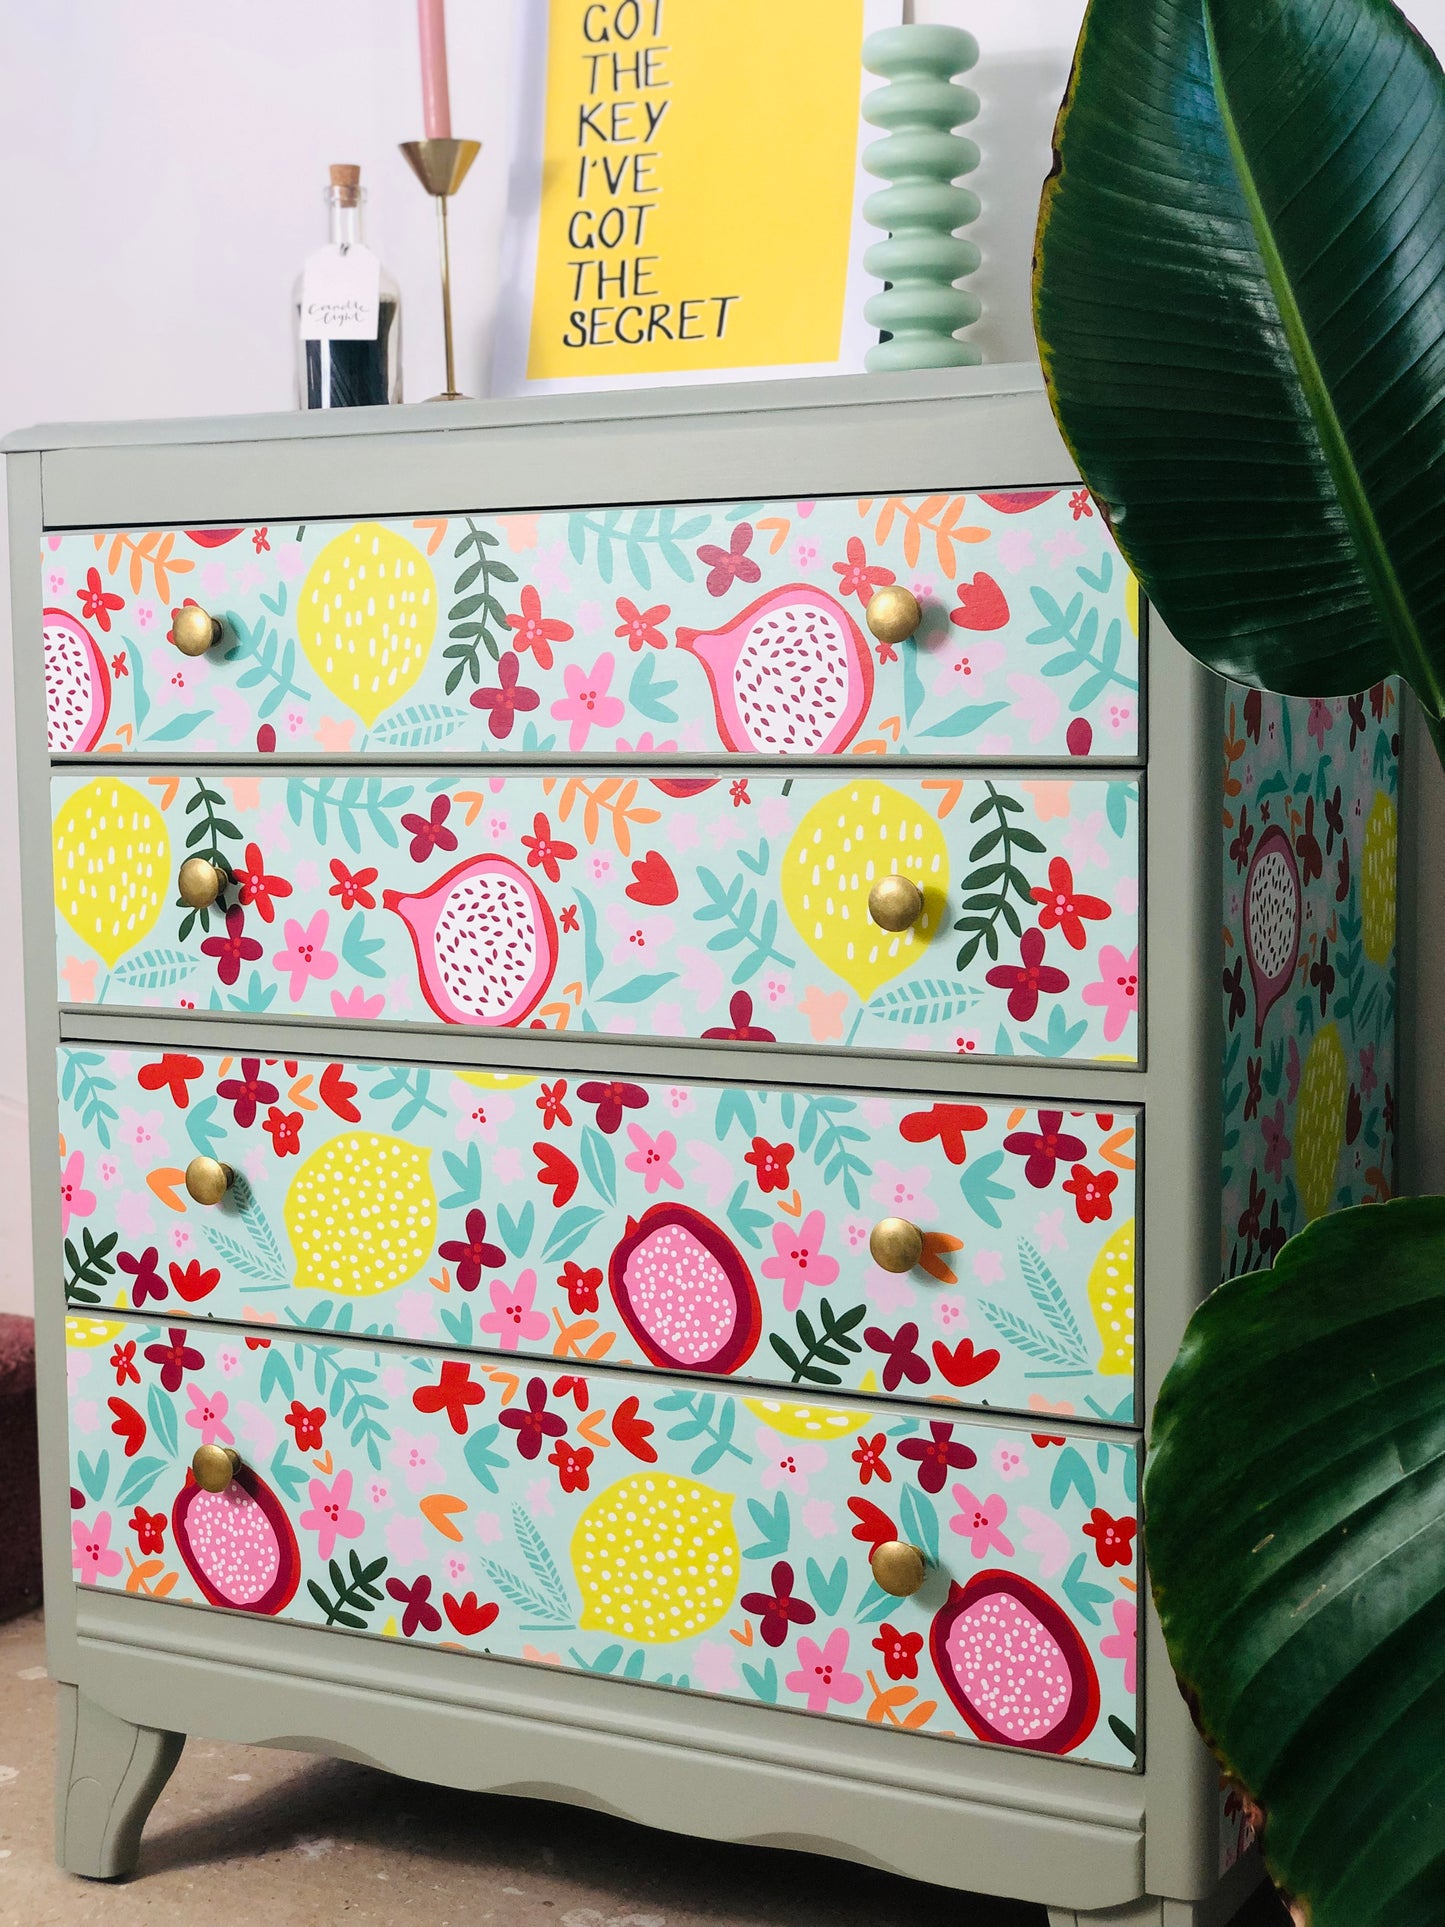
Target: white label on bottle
{"x": 340, "y": 294}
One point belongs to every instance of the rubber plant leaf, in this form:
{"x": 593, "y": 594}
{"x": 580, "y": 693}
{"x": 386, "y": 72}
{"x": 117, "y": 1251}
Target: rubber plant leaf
{"x": 1295, "y": 1528}
{"x": 1239, "y": 295}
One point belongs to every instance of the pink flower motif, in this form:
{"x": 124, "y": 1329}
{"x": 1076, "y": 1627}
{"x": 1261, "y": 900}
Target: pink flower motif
{"x": 822, "y": 1674}
{"x": 788, "y": 1462}
{"x": 712, "y": 1667}
{"x": 404, "y": 1539}
{"x": 306, "y": 955}
{"x": 92, "y": 1555}
{"x": 903, "y": 1190}
{"x": 1321, "y": 719}
{"x": 144, "y": 1132}
{"x": 75, "y": 1200}
{"x": 978, "y": 1521}
{"x": 208, "y": 1416}
{"x": 512, "y": 1317}
{"x": 331, "y": 1517}
{"x": 824, "y": 1011}
{"x": 642, "y": 936}
{"x": 1124, "y": 1643}
{"x": 356, "y": 1003}
{"x": 587, "y": 701}
{"x": 1008, "y": 1462}
{"x": 988, "y": 1267}
{"x": 1046, "y": 1539}
{"x": 1117, "y": 991}
{"x": 799, "y": 1259}
{"x": 1277, "y": 1146}
{"x": 652, "y": 1159}
{"x": 417, "y": 1458}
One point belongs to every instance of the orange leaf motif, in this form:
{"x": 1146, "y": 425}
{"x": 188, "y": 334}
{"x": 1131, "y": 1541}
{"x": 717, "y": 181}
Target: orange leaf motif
{"x": 437, "y": 1508}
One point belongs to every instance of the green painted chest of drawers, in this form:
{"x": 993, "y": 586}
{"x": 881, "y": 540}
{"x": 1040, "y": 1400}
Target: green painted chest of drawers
{"x": 646, "y": 1007}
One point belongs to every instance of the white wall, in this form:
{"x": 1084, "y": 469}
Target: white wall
{"x": 161, "y": 168}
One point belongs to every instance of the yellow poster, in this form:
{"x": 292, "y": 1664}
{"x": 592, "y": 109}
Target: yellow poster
{"x": 688, "y": 190}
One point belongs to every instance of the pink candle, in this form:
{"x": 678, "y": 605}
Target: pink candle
{"x": 436, "y": 103}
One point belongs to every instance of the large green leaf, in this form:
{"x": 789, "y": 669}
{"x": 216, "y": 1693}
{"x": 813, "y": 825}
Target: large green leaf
{"x": 1240, "y": 304}
{"x": 1295, "y": 1528}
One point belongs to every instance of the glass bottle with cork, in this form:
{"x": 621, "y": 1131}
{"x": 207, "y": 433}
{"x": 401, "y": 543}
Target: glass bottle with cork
{"x": 347, "y": 312}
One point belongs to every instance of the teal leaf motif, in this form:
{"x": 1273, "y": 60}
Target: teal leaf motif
{"x": 637, "y": 990}
{"x": 774, "y": 1528}
{"x": 154, "y": 969}
{"x": 925, "y": 1001}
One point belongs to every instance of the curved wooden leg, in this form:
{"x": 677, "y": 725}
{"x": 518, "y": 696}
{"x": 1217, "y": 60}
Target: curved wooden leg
{"x": 108, "y": 1775}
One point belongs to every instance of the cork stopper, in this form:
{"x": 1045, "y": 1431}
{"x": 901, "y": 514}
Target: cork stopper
{"x": 346, "y": 179}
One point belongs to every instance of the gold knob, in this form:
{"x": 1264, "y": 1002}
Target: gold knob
{"x": 200, "y": 882}
{"x": 208, "y": 1180}
{"x": 893, "y": 613}
{"x": 896, "y": 1244}
{"x": 895, "y": 903}
{"x": 898, "y": 1567}
{"x": 194, "y": 630}
{"x": 216, "y": 1465}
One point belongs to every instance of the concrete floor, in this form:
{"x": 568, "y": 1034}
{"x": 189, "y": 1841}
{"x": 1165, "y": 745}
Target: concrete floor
{"x": 243, "y": 1834}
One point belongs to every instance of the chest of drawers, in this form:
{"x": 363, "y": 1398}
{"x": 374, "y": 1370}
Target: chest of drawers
{"x": 632, "y": 1001}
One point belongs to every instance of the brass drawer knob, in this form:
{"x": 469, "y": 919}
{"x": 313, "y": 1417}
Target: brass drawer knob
{"x": 893, "y": 613}
{"x": 194, "y": 630}
{"x": 896, "y": 1244}
{"x": 895, "y": 903}
{"x": 897, "y": 1567}
{"x": 208, "y": 1180}
{"x": 200, "y": 882}
{"x": 216, "y": 1465}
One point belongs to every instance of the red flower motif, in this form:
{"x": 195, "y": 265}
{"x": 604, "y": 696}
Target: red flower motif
{"x": 148, "y": 1281}
{"x": 742, "y": 1030}
{"x": 553, "y": 1104}
{"x": 96, "y": 601}
{"x": 738, "y": 791}
{"x": 1025, "y": 981}
{"x": 937, "y": 1455}
{"x": 510, "y": 699}
{"x": 174, "y": 1072}
{"x": 119, "y": 664}
{"x": 568, "y": 919}
{"x": 1081, "y": 505}
{"x": 149, "y": 1529}
{"x": 612, "y": 1099}
{"x": 1113, "y": 1538}
{"x": 947, "y": 1123}
{"x": 640, "y": 625}
{"x": 1092, "y": 1192}
{"x": 537, "y": 633}
{"x": 248, "y": 1092}
{"x": 1062, "y": 906}
{"x": 430, "y": 833}
{"x": 869, "y": 1459}
{"x": 771, "y": 1162}
{"x": 778, "y": 1609}
{"x": 470, "y": 1257}
{"x": 732, "y": 564}
{"x": 581, "y": 1286}
{"x": 257, "y": 887}
{"x": 234, "y": 949}
{"x": 857, "y": 577}
{"x": 571, "y": 1462}
{"x": 284, "y": 1130}
{"x": 259, "y": 540}
{"x": 1044, "y": 1148}
{"x": 900, "y": 1651}
{"x": 534, "y": 1426}
{"x": 544, "y": 851}
{"x": 306, "y": 1422}
{"x": 416, "y": 1598}
{"x": 175, "y": 1359}
{"x": 901, "y": 1359}
{"x": 352, "y": 889}
{"x": 454, "y": 1393}
{"x": 556, "y": 1169}
{"x": 191, "y": 1283}
{"x": 122, "y": 1362}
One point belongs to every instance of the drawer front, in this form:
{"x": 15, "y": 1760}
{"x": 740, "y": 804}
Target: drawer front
{"x": 670, "y": 1534}
{"x": 695, "y": 1228}
{"x": 706, "y": 628}
{"x": 610, "y": 903}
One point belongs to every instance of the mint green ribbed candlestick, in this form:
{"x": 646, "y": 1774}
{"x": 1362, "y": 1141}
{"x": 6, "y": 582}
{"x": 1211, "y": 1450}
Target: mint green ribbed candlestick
{"x": 921, "y": 158}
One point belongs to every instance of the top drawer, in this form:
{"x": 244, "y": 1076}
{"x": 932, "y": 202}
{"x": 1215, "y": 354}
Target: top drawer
{"x": 639, "y": 631}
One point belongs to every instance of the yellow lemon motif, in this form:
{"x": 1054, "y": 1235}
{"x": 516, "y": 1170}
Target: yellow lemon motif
{"x": 1131, "y": 599}
{"x": 1377, "y": 878}
{"x": 1319, "y": 1124}
{"x": 804, "y": 1421}
{"x": 82, "y": 1334}
{"x": 1111, "y": 1299}
{"x": 848, "y": 840}
{"x": 366, "y": 616}
{"x": 656, "y": 1558}
{"x": 112, "y": 866}
{"x": 495, "y": 1080}
{"x": 361, "y": 1214}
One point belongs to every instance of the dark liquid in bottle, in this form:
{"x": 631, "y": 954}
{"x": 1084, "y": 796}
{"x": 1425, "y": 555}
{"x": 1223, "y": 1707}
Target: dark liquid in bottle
{"x": 350, "y": 374}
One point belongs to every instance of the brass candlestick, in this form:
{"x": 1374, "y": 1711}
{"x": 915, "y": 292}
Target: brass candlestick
{"x": 441, "y": 167}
